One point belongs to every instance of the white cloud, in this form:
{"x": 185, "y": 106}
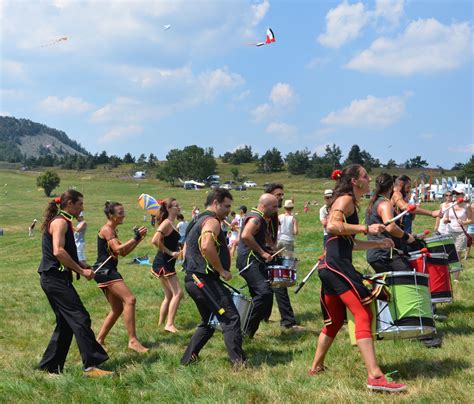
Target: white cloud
{"x": 259, "y": 11}
{"x": 57, "y": 105}
{"x": 120, "y": 133}
{"x": 282, "y": 96}
{"x": 320, "y": 150}
{"x": 370, "y": 112}
{"x": 242, "y": 96}
{"x": 11, "y": 93}
{"x": 316, "y": 62}
{"x": 212, "y": 83}
{"x": 13, "y": 69}
{"x": 468, "y": 148}
{"x": 261, "y": 112}
{"x": 343, "y": 24}
{"x": 121, "y": 109}
{"x": 283, "y": 132}
{"x": 390, "y": 10}
{"x": 426, "y": 136}
{"x": 5, "y": 113}
{"x": 426, "y": 46}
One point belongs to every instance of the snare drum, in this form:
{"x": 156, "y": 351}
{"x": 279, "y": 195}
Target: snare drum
{"x": 445, "y": 244}
{"x": 282, "y": 272}
{"x": 409, "y": 313}
{"x": 244, "y": 307}
{"x": 436, "y": 266}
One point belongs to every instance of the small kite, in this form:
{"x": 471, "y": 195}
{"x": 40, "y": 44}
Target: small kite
{"x": 64, "y": 38}
{"x": 166, "y": 27}
{"x": 268, "y": 41}
{"x": 150, "y": 204}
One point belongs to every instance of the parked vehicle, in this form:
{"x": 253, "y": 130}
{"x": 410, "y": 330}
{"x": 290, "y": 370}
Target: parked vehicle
{"x": 250, "y": 184}
{"x": 240, "y": 188}
{"x": 226, "y": 186}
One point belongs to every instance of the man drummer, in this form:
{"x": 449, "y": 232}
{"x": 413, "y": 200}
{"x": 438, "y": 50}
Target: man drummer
{"x": 281, "y": 294}
{"x": 252, "y": 255}
{"x": 207, "y": 257}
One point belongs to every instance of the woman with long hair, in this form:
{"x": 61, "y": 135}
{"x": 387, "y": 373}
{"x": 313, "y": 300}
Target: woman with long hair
{"x": 118, "y": 294}
{"x": 379, "y": 211}
{"x": 342, "y": 286}
{"x": 57, "y": 264}
{"x": 166, "y": 239}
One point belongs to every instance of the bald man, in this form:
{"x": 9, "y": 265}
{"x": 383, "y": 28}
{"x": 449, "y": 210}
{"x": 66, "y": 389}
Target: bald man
{"x": 252, "y": 250}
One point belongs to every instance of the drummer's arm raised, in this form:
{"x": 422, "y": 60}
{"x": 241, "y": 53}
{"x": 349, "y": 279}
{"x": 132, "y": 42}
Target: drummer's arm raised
{"x": 401, "y": 204}
{"x": 385, "y": 211}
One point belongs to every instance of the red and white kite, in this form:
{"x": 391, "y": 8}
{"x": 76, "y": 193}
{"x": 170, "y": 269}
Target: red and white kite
{"x": 269, "y": 40}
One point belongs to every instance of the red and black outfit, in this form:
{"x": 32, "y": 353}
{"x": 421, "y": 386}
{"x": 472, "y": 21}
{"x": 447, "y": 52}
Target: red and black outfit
{"x": 71, "y": 316}
{"x": 342, "y": 286}
{"x": 164, "y": 264}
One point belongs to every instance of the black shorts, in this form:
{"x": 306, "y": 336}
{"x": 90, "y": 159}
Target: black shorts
{"x": 163, "y": 271}
{"x": 105, "y": 277}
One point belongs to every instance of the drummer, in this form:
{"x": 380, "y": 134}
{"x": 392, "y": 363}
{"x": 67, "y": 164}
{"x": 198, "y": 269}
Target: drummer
{"x": 287, "y": 314}
{"x": 400, "y": 196}
{"x": 342, "y": 286}
{"x": 380, "y": 211}
{"x": 253, "y": 254}
{"x": 207, "y": 257}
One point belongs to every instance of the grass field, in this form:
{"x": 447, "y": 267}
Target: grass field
{"x": 279, "y": 359}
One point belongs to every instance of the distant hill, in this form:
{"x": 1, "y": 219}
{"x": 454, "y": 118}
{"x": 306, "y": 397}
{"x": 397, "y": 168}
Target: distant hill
{"x": 23, "y": 138}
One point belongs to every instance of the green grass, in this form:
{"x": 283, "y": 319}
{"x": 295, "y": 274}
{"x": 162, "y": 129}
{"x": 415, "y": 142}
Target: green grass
{"x": 279, "y": 360}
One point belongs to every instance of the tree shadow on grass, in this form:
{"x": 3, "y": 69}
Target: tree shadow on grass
{"x": 120, "y": 361}
{"x": 309, "y": 316}
{"x": 430, "y": 368}
{"x": 455, "y": 308}
{"x": 448, "y": 329}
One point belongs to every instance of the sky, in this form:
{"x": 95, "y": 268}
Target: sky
{"x": 393, "y": 76}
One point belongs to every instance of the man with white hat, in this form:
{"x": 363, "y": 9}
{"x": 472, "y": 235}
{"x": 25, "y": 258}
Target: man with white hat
{"x": 324, "y": 213}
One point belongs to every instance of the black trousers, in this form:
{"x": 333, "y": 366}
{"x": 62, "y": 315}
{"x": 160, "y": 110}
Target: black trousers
{"x": 397, "y": 263}
{"x": 71, "y": 319}
{"x": 284, "y": 306}
{"x": 229, "y": 321}
{"x": 256, "y": 277}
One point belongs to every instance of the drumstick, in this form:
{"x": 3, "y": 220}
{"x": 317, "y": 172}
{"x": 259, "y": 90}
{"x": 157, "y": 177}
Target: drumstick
{"x": 422, "y": 235}
{"x": 452, "y": 205}
{"x": 201, "y": 285}
{"x": 250, "y": 263}
{"x": 409, "y": 209}
{"x": 101, "y": 265}
{"x": 302, "y": 283}
{"x": 173, "y": 258}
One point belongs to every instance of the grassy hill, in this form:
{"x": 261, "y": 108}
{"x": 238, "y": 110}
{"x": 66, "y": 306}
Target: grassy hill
{"x": 22, "y": 137}
{"x": 279, "y": 359}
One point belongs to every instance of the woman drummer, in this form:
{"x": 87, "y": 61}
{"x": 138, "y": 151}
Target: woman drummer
{"x": 342, "y": 286}
{"x": 118, "y": 294}
{"x": 380, "y": 210}
{"x": 166, "y": 239}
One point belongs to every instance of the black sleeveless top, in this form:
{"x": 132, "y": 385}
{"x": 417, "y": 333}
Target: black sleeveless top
{"x": 244, "y": 253}
{"x": 104, "y": 252}
{"x": 194, "y": 260}
{"x": 171, "y": 243}
{"x": 48, "y": 260}
{"x": 371, "y": 217}
{"x": 273, "y": 227}
{"x": 336, "y": 272}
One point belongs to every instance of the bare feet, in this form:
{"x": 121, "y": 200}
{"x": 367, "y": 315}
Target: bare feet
{"x": 137, "y": 347}
{"x": 171, "y": 328}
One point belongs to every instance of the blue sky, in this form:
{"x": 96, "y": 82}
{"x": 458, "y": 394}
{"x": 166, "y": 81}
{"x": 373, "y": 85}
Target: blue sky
{"x": 393, "y": 76}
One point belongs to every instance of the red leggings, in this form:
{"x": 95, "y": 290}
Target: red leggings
{"x": 337, "y": 304}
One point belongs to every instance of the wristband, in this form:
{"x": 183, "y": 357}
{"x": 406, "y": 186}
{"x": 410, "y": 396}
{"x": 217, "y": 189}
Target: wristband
{"x": 137, "y": 237}
{"x": 366, "y": 230}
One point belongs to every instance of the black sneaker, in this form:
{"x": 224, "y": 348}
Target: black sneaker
{"x": 435, "y": 342}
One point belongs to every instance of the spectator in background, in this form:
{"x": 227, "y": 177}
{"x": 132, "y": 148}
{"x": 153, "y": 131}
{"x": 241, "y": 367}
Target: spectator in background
{"x": 234, "y": 235}
{"x": 80, "y": 237}
{"x": 195, "y": 212}
{"x": 306, "y": 207}
{"x": 241, "y": 215}
{"x": 31, "y": 229}
{"x": 470, "y": 231}
{"x": 440, "y": 225}
{"x": 181, "y": 226}
{"x": 324, "y": 213}
{"x": 288, "y": 228}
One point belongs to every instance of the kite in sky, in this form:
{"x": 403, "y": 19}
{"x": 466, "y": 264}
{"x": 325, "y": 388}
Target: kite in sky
{"x": 56, "y": 41}
{"x": 166, "y": 27}
{"x": 150, "y": 204}
{"x": 269, "y": 40}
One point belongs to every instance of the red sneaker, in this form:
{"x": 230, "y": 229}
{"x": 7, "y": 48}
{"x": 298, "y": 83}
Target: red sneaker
{"x": 382, "y": 384}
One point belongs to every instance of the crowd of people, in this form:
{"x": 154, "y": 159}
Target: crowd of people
{"x": 208, "y": 243}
